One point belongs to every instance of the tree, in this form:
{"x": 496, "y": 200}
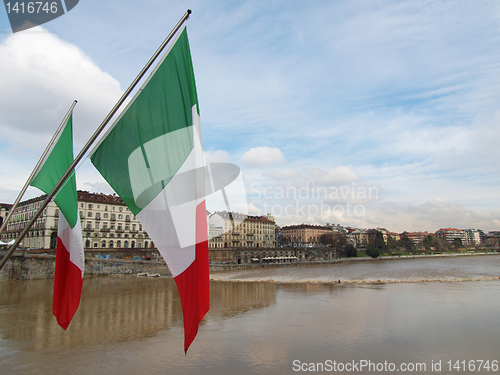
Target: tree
{"x": 440, "y": 244}
{"x": 457, "y": 243}
{"x": 392, "y": 243}
{"x": 428, "y": 241}
{"x": 373, "y": 252}
{"x": 350, "y": 251}
{"x": 336, "y": 240}
{"x": 406, "y": 243}
{"x": 379, "y": 242}
{"x": 339, "y": 240}
{"x": 326, "y": 239}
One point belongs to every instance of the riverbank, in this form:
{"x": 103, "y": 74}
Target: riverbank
{"x": 31, "y": 266}
{"x": 418, "y": 269}
{"x": 28, "y": 266}
{"x": 226, "y": 267}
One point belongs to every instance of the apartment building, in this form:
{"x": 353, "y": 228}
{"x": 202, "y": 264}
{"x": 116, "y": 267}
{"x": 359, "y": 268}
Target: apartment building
{"x": 303, "y": 234}
{"x": 233, "y": 230}
{"x": 106, "y": 223}
{"x": 449, "y": 234}
{"x": 4, "y": 211}
{"x": 475, "y": 236}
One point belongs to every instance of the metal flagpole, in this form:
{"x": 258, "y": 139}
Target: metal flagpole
{"x": 35, "y": 170}
{"x": 94, "y": 137}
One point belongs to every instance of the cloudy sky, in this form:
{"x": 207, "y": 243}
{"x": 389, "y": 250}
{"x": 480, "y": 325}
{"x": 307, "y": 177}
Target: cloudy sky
{"x": 368, "y": 114}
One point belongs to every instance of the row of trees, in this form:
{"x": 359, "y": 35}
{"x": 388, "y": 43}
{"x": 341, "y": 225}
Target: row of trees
{"x": 378, "y": 246}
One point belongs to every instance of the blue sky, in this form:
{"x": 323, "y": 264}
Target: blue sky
{"x": 381, "y": 113}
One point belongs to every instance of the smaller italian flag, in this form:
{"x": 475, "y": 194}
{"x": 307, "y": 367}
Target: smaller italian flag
{"x": 68, "y": 277}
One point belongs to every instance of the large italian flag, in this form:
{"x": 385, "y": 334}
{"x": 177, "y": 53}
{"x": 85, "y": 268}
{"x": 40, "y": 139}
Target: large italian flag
{"x": 68, "y": 277}
{"x": 153, "y": 158}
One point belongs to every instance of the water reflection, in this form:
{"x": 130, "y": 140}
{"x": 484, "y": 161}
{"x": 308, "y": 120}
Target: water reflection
{"x": 231, "y": 299}
{"x": 113, "y": 309}
{"x": 129, "y": 325}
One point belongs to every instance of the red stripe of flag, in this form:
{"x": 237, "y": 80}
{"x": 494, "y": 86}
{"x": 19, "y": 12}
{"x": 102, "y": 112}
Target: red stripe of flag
{"x": 67, "y": 286}
{"x": 193, "y": 284}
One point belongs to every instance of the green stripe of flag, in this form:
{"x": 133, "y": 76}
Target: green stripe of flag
{"x": 56, "y": 164}
{"x": 129, "y": 154}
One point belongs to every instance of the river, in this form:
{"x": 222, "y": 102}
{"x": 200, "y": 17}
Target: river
{"x": 432, "y": 316}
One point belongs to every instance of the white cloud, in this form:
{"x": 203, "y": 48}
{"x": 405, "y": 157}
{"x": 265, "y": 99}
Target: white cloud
{"x": 42, "y": 75}
{"x": 402, "y": 98}
{"x": 262, "y": 157}
{"x": 217, "y": 156}
{"x": 431, "y": 215}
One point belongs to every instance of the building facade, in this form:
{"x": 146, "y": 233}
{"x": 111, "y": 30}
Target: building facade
{"x": 4, "y": 211}
{"x": 303, "y": 234}
{"x": 106, "y": 223}
{"x": 449, "y": 234}
{"x": 235, "y": 230}
{"x": 475, "y": 237}
{"x": 43, "y": 234}
{"x": 416, "y": 237}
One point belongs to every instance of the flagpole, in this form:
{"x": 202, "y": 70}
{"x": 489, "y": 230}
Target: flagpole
{"x": 35, "y": 170}
{"x": 94, "y": 137}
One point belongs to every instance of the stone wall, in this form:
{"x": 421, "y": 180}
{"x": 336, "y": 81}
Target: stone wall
{"x": 38, "y": 266}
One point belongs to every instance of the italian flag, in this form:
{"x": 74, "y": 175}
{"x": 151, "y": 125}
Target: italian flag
{"x": 68, "y": 277}
{"x": 153, "y": 158}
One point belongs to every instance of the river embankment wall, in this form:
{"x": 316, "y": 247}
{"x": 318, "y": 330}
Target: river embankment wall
{"x": 38, "y": 266}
